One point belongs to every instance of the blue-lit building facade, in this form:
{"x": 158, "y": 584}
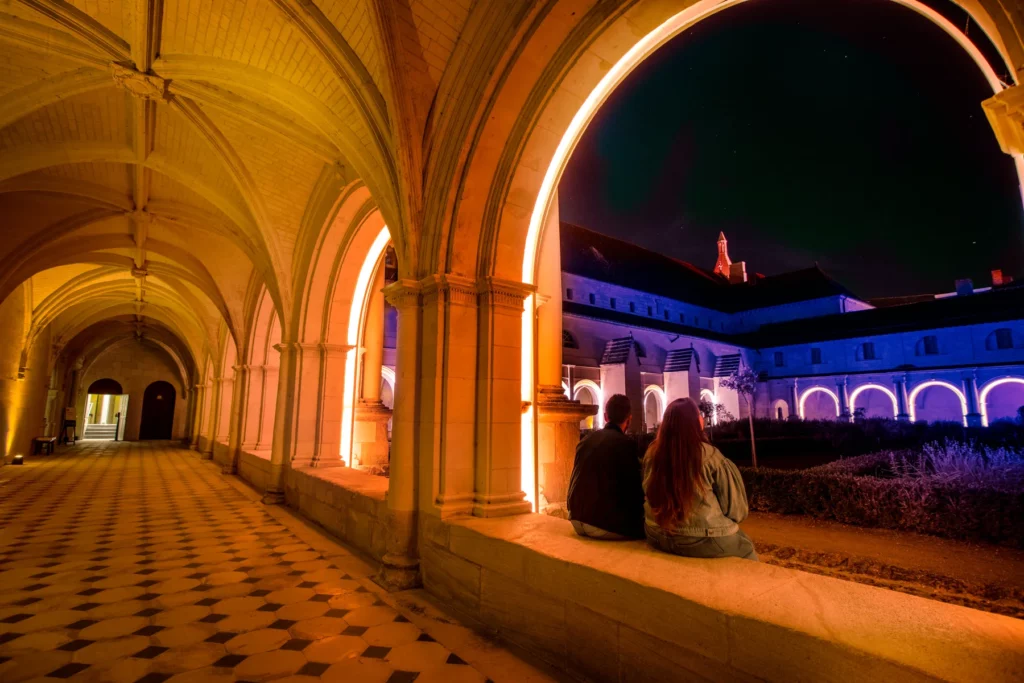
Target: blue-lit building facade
{"x": 657, "y": 329}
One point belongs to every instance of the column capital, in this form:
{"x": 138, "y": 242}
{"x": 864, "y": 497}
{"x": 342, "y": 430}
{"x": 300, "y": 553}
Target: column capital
{"x": 403, "y": 293}
{"x": 454, "y": 289}
{"x": 1005, "y": 112}
{"x": 508, "y": 294}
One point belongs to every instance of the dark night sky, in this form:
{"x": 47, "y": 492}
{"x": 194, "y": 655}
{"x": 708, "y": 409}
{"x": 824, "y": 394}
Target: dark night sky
{"x": 850, "y": 134}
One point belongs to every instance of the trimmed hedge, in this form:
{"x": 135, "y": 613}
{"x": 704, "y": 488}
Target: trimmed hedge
{"x": 973, "y": 513}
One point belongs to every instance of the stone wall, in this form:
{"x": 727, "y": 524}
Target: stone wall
{"x": 349, "y": 504}
{"x": 135, "y": 366}
{"x": 254, "y": 470}
{"x": 22, "y": 394}
{"x": 624, "y": 612}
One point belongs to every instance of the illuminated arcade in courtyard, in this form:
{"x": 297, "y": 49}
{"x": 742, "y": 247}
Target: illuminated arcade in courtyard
{"x": 304, "y": 285}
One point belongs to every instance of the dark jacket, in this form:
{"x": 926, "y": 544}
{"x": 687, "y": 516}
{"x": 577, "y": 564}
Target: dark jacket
{"x": 606, "y": 489}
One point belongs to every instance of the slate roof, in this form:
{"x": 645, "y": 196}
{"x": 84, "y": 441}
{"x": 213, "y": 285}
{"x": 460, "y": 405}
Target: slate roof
{"x": 607, "y": 259}
{"x": 1004, "y": 303}
{"x": 727, "y": 365}
{"x": 680, "y": 359}
{"x": 616, "y": 351}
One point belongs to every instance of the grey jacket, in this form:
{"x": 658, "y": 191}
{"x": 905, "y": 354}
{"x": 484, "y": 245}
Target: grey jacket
{"x": 720, "y": 510}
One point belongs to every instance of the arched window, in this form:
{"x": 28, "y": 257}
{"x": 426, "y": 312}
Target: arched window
{"x": 569, "y": 341}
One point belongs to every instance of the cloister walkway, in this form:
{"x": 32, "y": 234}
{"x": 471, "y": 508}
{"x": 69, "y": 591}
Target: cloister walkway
{"x": 139, "y": 562}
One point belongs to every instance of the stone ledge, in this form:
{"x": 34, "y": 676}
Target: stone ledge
{"x": 348, "y": 503}
{"x": 527, "y": 576}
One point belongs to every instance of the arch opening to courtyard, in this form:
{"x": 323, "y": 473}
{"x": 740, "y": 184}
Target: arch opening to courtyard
{"x": 1002, "y": 399}
{"x": 554, "y": 126}
{"x": 937, "y": 401}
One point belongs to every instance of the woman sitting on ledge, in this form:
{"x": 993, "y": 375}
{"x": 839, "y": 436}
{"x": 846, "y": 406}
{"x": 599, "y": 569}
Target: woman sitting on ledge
{"x": 695, "y": 496}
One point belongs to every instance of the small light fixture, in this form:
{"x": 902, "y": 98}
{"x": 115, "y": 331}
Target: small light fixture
{"x": 18, "y": 460}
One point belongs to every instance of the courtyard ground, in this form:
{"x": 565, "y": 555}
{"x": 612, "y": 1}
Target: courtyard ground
{"x": 975, "y": 575}
{"x": 138, "y": 562}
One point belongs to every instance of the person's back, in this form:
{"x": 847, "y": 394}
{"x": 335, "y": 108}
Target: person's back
{"x": 695, "y": 498}
{"x": 605, "y": 490}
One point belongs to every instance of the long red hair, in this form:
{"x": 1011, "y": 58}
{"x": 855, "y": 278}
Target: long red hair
{"x": 675, "y": 462}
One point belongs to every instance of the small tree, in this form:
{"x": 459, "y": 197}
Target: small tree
{"x": 744, "y": 383}
{"x": 713, "y": 413}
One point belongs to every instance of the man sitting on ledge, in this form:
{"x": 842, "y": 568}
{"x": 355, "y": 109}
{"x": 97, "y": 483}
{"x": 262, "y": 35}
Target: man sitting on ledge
{"x": 606, "y": 495}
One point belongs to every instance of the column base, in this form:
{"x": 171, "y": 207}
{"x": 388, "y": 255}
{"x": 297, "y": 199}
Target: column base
{"x": 273, "y": 497}
{"x": 903, "y": 417}
{"x": 502, "y": 506}
{"x": 398, "y": 573}
{"x": 194, "y": 447}
{"x": 206, "y": 456}
{"x": 228, "y": 469}
{"x": 973, "y": 419}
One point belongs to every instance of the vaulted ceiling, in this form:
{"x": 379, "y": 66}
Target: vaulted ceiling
{"x": 163, "y": 162}
{"x": 157, "y": 157}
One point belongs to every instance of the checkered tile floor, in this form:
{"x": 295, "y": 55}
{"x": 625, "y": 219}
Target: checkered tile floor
{"x": 136, "y": 562}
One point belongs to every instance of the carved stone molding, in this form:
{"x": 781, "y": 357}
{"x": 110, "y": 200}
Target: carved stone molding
{"x": 1005, "y": 113}
{"x": 145, "y": 86}
{"x": 403, "y": 293}
{"x": 453, "y": 289}
{"x": 505, "y": 294}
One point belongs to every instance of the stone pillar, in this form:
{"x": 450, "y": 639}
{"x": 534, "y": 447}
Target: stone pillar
{"x": 498, "y": 468}
{"x": 252, "y": 414}
{"x": 794, "y": 401}
{"x": 400, "y": 564}
{"x": 240, "y": 386}
{"x": 558, "y": 418}
{"x": 330, "y": 405}
{"x": 971, "y": 394}
{"x": 213, "y": 424}
{"x": 197, "y": 420}
{"x": 558, "y": 428}
{"x": 844, "y": 400}
{"x": 370, "y": 429}
{"x": 283, "y": 436}
{"x": 900, "y": 383}
{"x": 268, "y": 407}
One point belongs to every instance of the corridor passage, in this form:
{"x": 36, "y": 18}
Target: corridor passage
{"x": 136, "y": 562}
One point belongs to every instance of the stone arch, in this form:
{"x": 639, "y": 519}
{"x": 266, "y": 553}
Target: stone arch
{"x": 588, "y": 392}
{"x": 346, "y": 256}
{"x": 987, "y": 389}
{"x": 874, "y": 387}
{"x": 780, "y": 409}
{"x": 654, "y": 406}
{"x": 562, "y": 73}
{"x": 912, "y": 400}
{"x": 811, "y": 391}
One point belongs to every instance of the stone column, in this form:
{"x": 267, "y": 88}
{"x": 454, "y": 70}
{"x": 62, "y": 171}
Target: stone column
{"x": 283, "y": 437}
{"x": 794, "y": 401}
{"x": 268, "y": 407}
{"x": 197, "y": 419}
{"x": 558, "y": 417}
{"x": 844, "y": 400}
{"x": 238, "y": 402}
{"x": 498, "y": 471}
{"x": 971, "y": 394}
{"x": 214, "y": 422}
{"x": 252, "y": 414}
{"x": 330, "y": 405}
{"x": 400, "y": 564}
{"x": 900, "y": 383}
{"x": 370, "y": 430}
